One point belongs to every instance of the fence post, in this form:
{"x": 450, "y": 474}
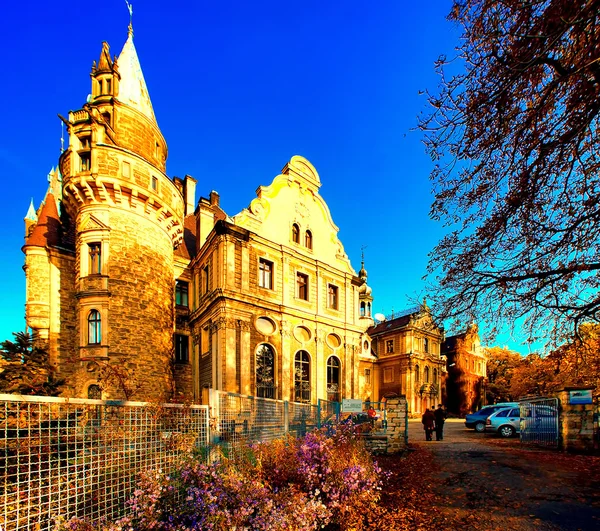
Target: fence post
{"x": 214, "y": 414}
{"x": 286, "y": 417}
{"x": 319, "y": 413}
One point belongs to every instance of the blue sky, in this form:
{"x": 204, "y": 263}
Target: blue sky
{"x": 238, "y": 88}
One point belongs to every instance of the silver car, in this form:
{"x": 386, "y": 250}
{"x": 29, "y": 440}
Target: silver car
{"x": 505, "y": 422}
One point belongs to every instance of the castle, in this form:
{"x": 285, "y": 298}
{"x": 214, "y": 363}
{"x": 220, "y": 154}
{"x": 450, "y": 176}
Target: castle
{"x": 138, "y": 291}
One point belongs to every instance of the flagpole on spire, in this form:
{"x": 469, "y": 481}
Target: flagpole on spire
{"x": 130, "y": 9}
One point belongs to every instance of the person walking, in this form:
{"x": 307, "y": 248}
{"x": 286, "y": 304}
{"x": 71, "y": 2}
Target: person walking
{"x": 428, "y": 420}
{"x": 440, "y": 417}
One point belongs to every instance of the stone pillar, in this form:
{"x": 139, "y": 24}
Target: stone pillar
{"x": 575, "y": 422}
{"x": 397, "y": 418}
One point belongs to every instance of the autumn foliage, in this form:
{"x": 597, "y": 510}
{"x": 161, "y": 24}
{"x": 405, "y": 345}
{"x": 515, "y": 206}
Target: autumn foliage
{"x": 514, "y": 134}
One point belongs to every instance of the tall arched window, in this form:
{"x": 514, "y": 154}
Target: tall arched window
{"x": 333, "y": 379}
{"x": 295, "y": 233}
{"x": 94, "y": 328}
{"x": 302, "y": 377}
{"x": 426, "y": 374}
{"x": 368, "y": 309}
{"x": 308, "y": 239}
{"x": 362, "y": 309}
{"x": 435, "y": 376}
{"x": 417, "y": 374}
{"x": 265, "y": 371}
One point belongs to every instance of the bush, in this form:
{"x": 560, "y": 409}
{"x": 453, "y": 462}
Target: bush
{"x": 301, "y": 484}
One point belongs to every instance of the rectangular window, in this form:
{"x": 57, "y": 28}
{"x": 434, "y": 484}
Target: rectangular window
{"x": 388, "y": 375}
{"x": 181, "y": 293}
{"x": 154, "y": 183}
{"x": 205, "y": 279}
{"x": 95, "y": 255}
{"x": 126, "y": 170}
{"x": 367, "y": 376}
{"x": 265, "y": 274}
{"x": 302, "y": 283}
{"x": 389, "y": 346}
{"x": 85, "y": 162}
{"x": 182, "y": 345}
{"x": 108, "y": 86}
{"x": 426, "y": 345}
{"x": 332, "y": 296}
{"x": 205, "y": 341}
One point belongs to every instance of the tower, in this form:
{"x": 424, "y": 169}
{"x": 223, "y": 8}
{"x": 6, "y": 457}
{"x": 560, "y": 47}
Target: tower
{"x": 112, "y": 291}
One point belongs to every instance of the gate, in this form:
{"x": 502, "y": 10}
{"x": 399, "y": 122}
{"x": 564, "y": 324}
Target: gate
{"x": 539, "y": 422}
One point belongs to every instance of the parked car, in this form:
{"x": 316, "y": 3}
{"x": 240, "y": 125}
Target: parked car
{"x": 538, "y": 419}
{"x": 477, "y": 420}
{"x": 505, "y": 421}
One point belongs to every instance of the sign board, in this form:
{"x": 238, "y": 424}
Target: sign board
{"x": 350, "y": 405}
{"x": 580, "y": 396}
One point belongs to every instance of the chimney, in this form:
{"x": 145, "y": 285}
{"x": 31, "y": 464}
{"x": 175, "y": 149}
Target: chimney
{"x": 214, "y": 198}
{"x": 189, "y": 194}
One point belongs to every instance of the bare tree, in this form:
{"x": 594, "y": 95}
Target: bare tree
{"x": 513, "y": 132}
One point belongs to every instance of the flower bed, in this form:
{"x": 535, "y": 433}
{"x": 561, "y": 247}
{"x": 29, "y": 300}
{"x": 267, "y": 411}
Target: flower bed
{"x": 314, "y": 482}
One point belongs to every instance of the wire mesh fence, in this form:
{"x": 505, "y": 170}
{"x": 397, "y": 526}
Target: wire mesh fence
{"x": 240, "y": 419}
{"x": 77, "y": 457}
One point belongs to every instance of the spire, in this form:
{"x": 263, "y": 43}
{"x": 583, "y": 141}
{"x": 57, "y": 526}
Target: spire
{"x": 132, "y": 87}
{"x": 105, "y": 62}
{"x": 31, "y": 213}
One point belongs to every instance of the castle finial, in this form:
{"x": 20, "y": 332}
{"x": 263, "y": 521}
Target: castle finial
{"x": 130, "y": 9}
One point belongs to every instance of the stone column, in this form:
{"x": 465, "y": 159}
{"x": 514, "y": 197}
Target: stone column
{"x": 575, "y": 422}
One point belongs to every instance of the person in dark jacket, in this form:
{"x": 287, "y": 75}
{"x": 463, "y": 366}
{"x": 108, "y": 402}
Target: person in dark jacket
{"x": 428, "y": 420}
{"x": 440, "y": 416}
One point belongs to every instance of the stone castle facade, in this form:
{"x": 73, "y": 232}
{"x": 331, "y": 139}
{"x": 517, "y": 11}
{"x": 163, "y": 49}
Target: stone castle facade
{"x": 139, "y": 291}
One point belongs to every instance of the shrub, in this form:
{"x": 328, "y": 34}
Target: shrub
{"x": 300, "y": 484}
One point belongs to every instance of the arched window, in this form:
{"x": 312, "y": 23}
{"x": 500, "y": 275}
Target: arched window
{"x": 435, "y": 376}
{"x": 426, "y": 345}
{"x": 362, "y": 309}
{"x": 426, "y": 374}
{"x": 308, "y": 239}
{"x": 295, "y": 233}
{"x": 265, "y": 371}
{"x": 417, "y": 373}
{"x": 333, "y": 379}
{"x": 94, "y": 392}
{"x": 302, "y": 377}
{"x": 94, "y": 328}
{"x": 368, "y": 309}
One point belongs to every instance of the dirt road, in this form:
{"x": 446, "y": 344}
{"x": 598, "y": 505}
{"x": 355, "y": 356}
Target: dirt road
{"x": 482, "y": 482}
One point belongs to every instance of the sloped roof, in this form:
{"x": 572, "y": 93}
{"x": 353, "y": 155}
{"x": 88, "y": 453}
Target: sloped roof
{"x": 47, "y": 230}
{"x": 187, "y": 249}
{"x": 390, "y": 324}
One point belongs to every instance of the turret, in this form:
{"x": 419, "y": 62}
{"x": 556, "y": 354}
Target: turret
{"x": 128, "y": 219}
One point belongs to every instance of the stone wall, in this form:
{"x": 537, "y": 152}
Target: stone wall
{"x": 394, "y": 439}
{"x": 576, "y": 424}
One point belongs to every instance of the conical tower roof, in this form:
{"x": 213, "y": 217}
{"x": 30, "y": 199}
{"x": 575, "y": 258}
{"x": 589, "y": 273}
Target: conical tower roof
{"x": 132, "y": 87}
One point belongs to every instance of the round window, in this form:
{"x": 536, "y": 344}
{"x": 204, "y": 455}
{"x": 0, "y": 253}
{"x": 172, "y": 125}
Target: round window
{"x": 333, "y": 340}
{"x": 302, "y": 334}
{"x": 265, "y": 326}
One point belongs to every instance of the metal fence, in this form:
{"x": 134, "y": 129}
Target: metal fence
{"x": 78, "y": 457}
{"x": 539, "y": 422}
{"x": 240, "y": 419}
